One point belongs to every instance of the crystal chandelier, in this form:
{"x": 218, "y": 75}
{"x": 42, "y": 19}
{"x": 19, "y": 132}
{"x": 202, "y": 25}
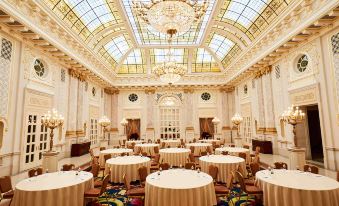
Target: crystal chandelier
{"x": 169, "y": 72}
{"x": 171, "y": 16}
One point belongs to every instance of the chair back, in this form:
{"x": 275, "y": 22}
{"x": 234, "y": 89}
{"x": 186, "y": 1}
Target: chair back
{"x": 224, "y": 152}
{"x": 242, "y": 155}
{"x": 189, "y": 165}
{"x": 102, "y": 148}
{"x": 104, "y": 184}
{"x": 158, "y": 141}
{"x": 254, "y": 168}
{"x": 232, "y": 145}
{"x": 107, "y": 157}
{"x": 157, "y": 158}
{"x": 39, "y": 171}
{"x": 314, "y": 169}
{"x": 257, "y": 150}
{"x": 144, "y": 154}
{"x": 203, "y": 153}
{"x": 280, "y": 165}
{"x": 95, "y": 170}
{"x": 32, "y": 173}
{"x": 246, "y": 146}
{"x": 191, "y": 157}
{"x": 123, "y": 154}
{"x": 163, "y": 144}
{"x": 68, "y": 167}
{"x": 241, "y": 181}
{"x": 5, "y": 184}
{"x": 164, "y": 166}
{"x": 149, "y": 141}
{"x": 142, "y": 173}
{"x": 209, "y": 150}
{"x": 194, "y": 140}
{"x": 213, "y": 171}
{"x": 137, "y": 150}
{"x": 256, "y": 159}
{"x": 192, "y": 149}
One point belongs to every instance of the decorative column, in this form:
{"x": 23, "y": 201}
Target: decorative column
{"x": 111, "y": 111}
{"x": 189, "y": 133}
{"x": 150, "y": 114}
{"x": 261, "y": 118}
{"x": 226, "y": 114}
{"x": 270, "y": 128}
{"x": 72, "y": 104}
{"x": 80, "y": 107}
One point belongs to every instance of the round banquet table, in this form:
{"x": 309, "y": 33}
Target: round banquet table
{"x": 225, "y": 163}
{"x": 148, "y": 147}
{"x": 174, "y": 156}
{"x": 171, "y": 142}
{"x": 53, "y": 189}
{"x": 199, "y": 147}
{"x": 297, "y": 188}
{"x": 129, "y": 142}
{"x": 234, "y": 151}
{"x": 113, "y": 152}
{"x": 129, "y": 165}
{"x": 210, "y": 141}
{"x": 179, "y": 187}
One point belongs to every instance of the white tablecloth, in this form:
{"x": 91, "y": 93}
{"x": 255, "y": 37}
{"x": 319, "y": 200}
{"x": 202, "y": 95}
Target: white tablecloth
{"x": 234, "y": 151}
{"x": 113, "y": 152}
{"x": 174, "y": 156}
{"x": 179, "y": 187}
{"x": 128, "y": 165}
{"x": 171, "y": 142}
{"x": 225, "y": 163}
{"x": 210, "y": 141}
{"x": 297, "y": 188}
{"x": 199, "y": 147}
{"x": 149, "y": 148}
{"x": 129, "y": 142}
{"x": 53, "y": 189}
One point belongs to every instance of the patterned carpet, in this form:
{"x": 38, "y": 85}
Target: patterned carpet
{"x": 115, "y": 196}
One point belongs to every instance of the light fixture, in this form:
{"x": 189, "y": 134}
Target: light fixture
{"x": 104, "y": 122}
{"x": 215, "y": 122}
{"x": 52, "y": 120}
{"x": 170, "y": 16}
{"x": 124, "y": 123}
{"x": 236, "y": 120}
{"x": 293, "y": 115}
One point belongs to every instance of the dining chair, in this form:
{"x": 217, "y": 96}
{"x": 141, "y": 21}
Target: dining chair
{"x": 102, "y": 148}
{"x": 213, "y": 171}
{"x": 256, "y": 152}
{"x": 242, "y": 155}
{"x": 231, "y": 145}
{"x": 144, "y": 154}
{"x": 106, "y": 157}
{"x": 246, "y": 146}
{"x": 192, "y": 149}
{"x": 95, "y": 193}
{"x": 149, "y": 141}
{"x": 312, "y": 168}
{"x": 155, "y": 162}
{"x": 39, "y": 171}
{"x": 224, "y": 153}
{"x": 142, "y": 175}
{"x": 123, "y": 154}
{"x": 209, "y": 150}
{"x": 338, "y": 176}
{"x": 255, "y": 167}
{"x": 6, "y": 188}
{"x": 280, "y": 165}
{"x": 32, "y": 173}
{"x": 137, "y": 150}
{"x": 68, "y": 167}
{"x": 203, "y": 153}
{"x": 189, "y": 165}
{"x": 132, "y": 192}
{"x": 163, "y": 145}
{"x": 191, "y": 157}
{"x": 222, "y": 190}
{"x": 164, "y": 166}
{"x": 194, "y": 140}
{"x": 247, "y": 189}
{"x": 95, "y": 169}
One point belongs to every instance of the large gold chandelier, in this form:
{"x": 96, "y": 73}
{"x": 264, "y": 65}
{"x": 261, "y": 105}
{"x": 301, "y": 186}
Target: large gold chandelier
{"x": 171, "y": 16}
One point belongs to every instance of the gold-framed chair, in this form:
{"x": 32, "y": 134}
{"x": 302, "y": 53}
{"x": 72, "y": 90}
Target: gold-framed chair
{"x": 164, "y": 166}
{"x": 68, "y": 167}
{"x": 247, "y": 189}
{"x": 6, "y": 188}
{"x": 95, "y": 193}
{"x": 142, "y": 171}
{"x": 312, "y": 168}
{"x": 189, "y": 165}
{"x": 280, "y": 165}
{"x": 132, "y": 192}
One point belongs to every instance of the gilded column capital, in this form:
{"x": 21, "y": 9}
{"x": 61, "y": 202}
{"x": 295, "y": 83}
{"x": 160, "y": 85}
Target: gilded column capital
{"x": 188, "y": 90}
{"x": 77, "y": 74}
{"x": 149, "y": 91}
{"x": 111, "y": 91}
{"x": 263, "y": 71}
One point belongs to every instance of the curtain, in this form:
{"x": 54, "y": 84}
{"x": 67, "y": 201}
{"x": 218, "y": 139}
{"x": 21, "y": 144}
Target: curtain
{"x": 206, "y": 128}
{"x": 133, "y": 129}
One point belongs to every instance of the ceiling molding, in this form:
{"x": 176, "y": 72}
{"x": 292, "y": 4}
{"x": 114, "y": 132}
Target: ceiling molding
{"x": 216, "y": 9}
{"x": 231, "y": 36}
{"x": 106, "y": 39}
{"x": 122, "y": 59}
{"x": 234, "y": 29}
{"x": 92, "y": 41}
{"x": 215, "y": 57}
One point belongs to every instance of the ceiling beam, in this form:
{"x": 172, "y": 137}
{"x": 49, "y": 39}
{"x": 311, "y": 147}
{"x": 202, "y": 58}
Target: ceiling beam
{"x": 106, "y": 39}
{"x": 215, "y": 57}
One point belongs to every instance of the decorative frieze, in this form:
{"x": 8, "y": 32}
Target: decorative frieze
{"x": 77, "y": 74}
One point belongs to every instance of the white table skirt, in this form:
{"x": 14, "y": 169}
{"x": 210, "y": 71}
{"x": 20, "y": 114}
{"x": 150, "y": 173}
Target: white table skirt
{"x": 171, "y": 143}
{"x": 128, "y": 165}
{"x": 179, "y": 187}
{"x": 113, "y": 152}
{"x": 225, "y": 163}
{"x": 199, "y": 147}
{"x": 174, "y": 156}
{"x": 234, "y": 151}
{"x": 149, "y": 148}
{"x": 129, "y": 142}
{"x": 297, "y": 188}
{"x": 210, "y": 141}
{"x": 53, "y": 189}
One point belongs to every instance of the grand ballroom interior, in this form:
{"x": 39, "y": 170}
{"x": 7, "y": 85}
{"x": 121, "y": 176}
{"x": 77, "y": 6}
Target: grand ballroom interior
{"x": 169, "y": 102}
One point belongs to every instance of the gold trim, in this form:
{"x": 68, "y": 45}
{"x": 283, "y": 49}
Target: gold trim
{"x": 189, "y": 128}
{"x": 70, "y": 133}
{"x": 270, "y": 130}
{"x": 114, "y": 130}
{"x": 334, "y": 149}
{"x": 80, "y": 133}
{"x": 150, "y": 129}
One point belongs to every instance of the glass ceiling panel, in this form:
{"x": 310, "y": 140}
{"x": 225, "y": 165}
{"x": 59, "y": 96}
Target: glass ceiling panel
{"x": 203, "y": 62}
{"x": 86, "y": 17}
{"x": 159, "y": 56}
{"x": 134, "y": 63}
{"x": 144, "y": 34}
{"x": 251, "y": 16}
{"x": 116, "y": 48}
{"x": 220, "y": 45}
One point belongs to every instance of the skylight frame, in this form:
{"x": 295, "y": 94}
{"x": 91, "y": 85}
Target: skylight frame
{"x": 203, "y": 62}
{"x": 135, "y": 63}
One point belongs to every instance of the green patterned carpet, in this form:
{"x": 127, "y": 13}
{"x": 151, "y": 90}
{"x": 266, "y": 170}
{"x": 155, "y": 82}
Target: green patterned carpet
{"x": 115, "y": 196}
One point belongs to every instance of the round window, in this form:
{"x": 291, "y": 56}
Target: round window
{"x": 94, "y": 91}
{"x": 302, "y": 63}
{"x": 133, "y": 97}
{"x": 205, "y": 96}
{"x": 39, "y": 68}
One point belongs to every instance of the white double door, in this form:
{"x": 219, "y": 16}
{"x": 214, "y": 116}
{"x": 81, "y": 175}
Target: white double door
{"x": 36, "y": 141}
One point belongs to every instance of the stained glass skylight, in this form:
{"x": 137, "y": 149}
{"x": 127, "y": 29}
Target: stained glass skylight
{"x": 134, "y": 63}
{"x": 220, "y": 45}
{"x": 159, "y": 56}
{"x": 203, "y": 62}
{"x": 148, "y": 36}
{"x": 86, "y": 17}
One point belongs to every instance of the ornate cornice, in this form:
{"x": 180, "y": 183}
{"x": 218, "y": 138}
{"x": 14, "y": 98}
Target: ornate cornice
{"x": 77, "y": 74}
{"x": 263, "y": 71}
{"x": 111, "y": 91}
